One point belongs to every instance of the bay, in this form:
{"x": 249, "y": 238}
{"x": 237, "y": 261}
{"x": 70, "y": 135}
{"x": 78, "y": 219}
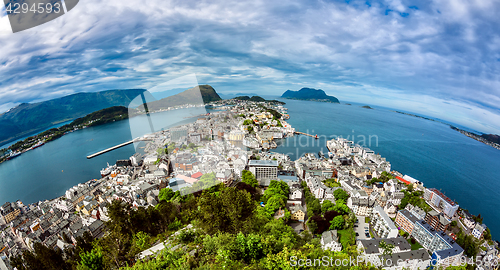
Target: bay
{"x": 48, "y": 171}
{"x": 464, "y": 169}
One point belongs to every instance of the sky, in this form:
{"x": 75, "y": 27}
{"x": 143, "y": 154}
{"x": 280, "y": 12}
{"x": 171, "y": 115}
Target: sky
{"x": 435, "y": 58}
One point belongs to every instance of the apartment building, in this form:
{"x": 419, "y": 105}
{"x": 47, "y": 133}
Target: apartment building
{"x": 382, "y": 224}
{"x": 406, "y": 220}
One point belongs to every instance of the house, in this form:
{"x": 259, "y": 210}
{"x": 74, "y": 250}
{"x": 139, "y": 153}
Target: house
{"x": 9, "y": 212}
{"x": 478, "y": 230}
{"x": 329, "y": 241}
{"x": 296, "y": 194}
{"x": 298, "y": 213}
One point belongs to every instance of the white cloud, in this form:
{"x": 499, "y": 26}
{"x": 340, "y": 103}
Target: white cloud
{"x": 355, "y": 51}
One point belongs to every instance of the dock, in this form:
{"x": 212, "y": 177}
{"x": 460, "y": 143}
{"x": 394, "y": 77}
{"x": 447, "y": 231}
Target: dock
{"x": 116, "y": 147}
{"x": 302, "y": 133}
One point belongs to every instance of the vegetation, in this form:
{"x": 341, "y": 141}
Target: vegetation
{"x": 341, "y": 195}
{"x": 468, "y": 243}
{"x": 331, "y": 183}
{"x": 383, "y": 178}
{"x": 415, "y": 199}
{"x": 248, "y": 178}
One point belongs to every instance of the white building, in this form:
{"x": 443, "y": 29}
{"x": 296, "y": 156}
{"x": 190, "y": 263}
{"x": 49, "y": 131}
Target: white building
{"x": 329, "y": 241}
{"x": 440, "y": 201}
{"x": 478, "y": 230}
{"x": 382, "y": 224}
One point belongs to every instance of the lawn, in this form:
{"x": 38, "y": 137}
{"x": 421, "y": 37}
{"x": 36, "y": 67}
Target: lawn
{"x": 346, "y": 237}
{"x": 415, "y": 246}
{"x": 367, "y": 220}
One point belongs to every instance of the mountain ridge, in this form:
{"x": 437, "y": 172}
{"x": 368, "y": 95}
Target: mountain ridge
{"x": 29, "y": 118}
{"x": 310, "y": 94}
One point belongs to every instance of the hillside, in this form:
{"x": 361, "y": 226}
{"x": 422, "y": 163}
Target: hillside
{"x": 258, "y": 99}
{"x": 28, "y": 118}
{"x": 310, "y": 94}
{"x": 492, "y": 138}
{"x": 190, "y": 96}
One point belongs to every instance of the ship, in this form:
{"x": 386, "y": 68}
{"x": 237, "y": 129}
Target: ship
{"x": 13, "y": 155}
{"x": 40, "y": 143}
{"x": 107, "y": 171}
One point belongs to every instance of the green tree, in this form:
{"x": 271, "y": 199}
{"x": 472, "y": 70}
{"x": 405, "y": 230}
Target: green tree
{"x": 227, "y": 211}
{"x": 340, "y": 194}
{"x": 487, "y": 234}
{"x": 166, "y": 194}
{"x": 337, "y": 223}
{"x": 386, "y": 248}
{"x": 327, "y": 206}
{"x": 341, "y": 208}
{"x": 92, "y": 260}
{"x": 313, "y": 208}
{"x": 248, "y": 178}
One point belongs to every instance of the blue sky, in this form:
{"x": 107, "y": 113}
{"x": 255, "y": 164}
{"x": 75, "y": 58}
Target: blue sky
{"x": 436, "y": 58}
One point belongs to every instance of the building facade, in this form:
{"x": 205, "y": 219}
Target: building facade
{"x": 382, "y": 224}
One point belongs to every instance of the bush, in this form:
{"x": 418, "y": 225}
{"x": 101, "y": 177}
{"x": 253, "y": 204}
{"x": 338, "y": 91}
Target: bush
{"x": 187, "y": 236}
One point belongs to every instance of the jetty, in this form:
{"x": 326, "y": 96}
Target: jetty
{"x": 302, "y": 133}
{"x": 116, "y": 147}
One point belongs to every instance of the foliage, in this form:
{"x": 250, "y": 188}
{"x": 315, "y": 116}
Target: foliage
{"x": 341, "y": 195}
{"x": 248, "y": 178}
{"x": 141, "y": 240}
{"x": 331, "y": 183}
{"x": 337, "y": 223}
{"x": 327, "y": 206}
{"x": 167, "y": 194}
{"x": 487, "y": 234}
{"x": 42, "y": 258}
{"x": 414, "y": 199}
{"x": 248, "y": 122}
{"x": 228, "y": 211}
{"x": 386, "y": 248}
{"x": 468, "y": 243}
{"x": 92, "y": 260}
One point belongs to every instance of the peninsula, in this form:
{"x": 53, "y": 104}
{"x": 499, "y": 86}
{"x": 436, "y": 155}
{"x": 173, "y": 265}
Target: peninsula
{"x": 310, "y": 94}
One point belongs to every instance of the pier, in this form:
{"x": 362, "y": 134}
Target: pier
{"x": 116, "y": 147}
{"x": 302, "y": 133}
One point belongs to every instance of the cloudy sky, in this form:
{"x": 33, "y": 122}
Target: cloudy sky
{"x": 436, "y": 58}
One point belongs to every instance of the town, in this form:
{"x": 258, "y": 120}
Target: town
{"x": 347, "y": 198}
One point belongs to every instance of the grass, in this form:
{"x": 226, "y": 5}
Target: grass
{"x": 346, "y": 237}
{"x": 416, "y": 246}
{"x": 367, "y": 220}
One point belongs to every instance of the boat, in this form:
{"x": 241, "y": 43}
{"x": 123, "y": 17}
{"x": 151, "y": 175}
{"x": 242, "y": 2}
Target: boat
{"x": 13, "y": 155}
{"x": 107, "y": 171}
{"x": 40, "y": 143}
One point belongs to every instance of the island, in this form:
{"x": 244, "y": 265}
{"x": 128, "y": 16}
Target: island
{"x": 258, "y": 99}
{"x": 310, "y": 94}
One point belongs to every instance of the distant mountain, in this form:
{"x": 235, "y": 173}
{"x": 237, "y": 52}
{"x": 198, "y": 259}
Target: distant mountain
{"x": 230, "y": 96}
{"x": 492, "y": 138}
{"x": 310, "y": 94}
{"x": 29, "y": 118}
{"x": 258, "y": 99}
{"x": 196, "y": 95}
